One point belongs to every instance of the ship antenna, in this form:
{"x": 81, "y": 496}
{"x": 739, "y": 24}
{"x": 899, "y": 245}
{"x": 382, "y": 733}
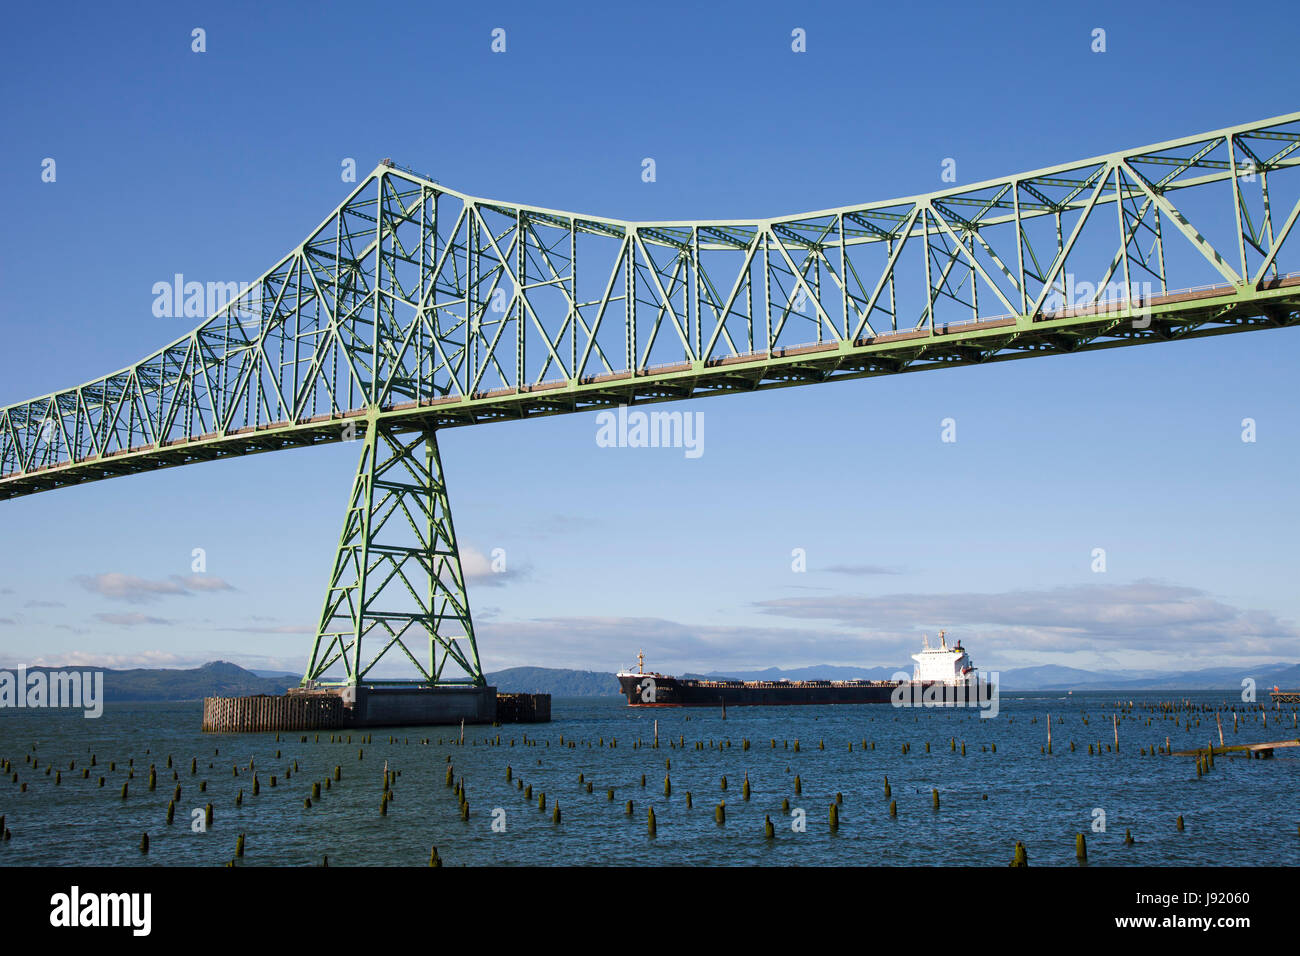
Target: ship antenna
{"x": 925, "y": 641}
{"x": 943, "y": 643}
{"x": 640, "y": 662}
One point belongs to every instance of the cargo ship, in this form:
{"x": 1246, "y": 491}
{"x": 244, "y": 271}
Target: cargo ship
{"x": 937, "y": 668}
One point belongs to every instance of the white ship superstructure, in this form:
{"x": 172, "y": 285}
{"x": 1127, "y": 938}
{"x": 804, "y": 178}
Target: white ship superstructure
{"x": 943, "y": 664}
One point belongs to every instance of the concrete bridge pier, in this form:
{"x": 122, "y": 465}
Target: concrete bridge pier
{"x": 380, "y": 706}
{"x": 367, "y": 705}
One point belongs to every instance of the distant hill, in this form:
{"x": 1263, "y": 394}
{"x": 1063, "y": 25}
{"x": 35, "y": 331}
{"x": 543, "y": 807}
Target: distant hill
{"x": 223, "y": 679}
{"x": 554, "y": 681}
{"x": 1056, "y": 677}
{"x": 291, "y": 676}
{"x": 1209, "y": 678}
{"x": 214, "y": 679}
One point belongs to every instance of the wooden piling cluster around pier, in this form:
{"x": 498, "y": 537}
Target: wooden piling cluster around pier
{"x": 328, "y": 711}
{"x": 267, "y": 713}
{"x": 523, "y": 708}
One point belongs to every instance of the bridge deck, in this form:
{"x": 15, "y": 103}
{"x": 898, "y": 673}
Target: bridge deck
{"x": 1189, "y": 313}
{"x": 424, "y": 307}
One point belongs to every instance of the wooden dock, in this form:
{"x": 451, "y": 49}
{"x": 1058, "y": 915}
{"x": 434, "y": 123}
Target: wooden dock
{"x": 1285, "y": 696}
{"x": 1261, "y": 751}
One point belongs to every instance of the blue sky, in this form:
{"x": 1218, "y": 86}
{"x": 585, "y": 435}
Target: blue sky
{"x": 214, "y": 165}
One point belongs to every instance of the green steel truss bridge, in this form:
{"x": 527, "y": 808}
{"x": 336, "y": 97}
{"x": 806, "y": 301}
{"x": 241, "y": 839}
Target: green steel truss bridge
{"x": 414, "y": 307}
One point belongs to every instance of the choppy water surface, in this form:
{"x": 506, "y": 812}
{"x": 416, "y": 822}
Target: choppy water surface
{"x": 1242, "y": 813}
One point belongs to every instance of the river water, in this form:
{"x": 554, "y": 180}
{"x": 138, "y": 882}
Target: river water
{"x": 1243, "y": 812}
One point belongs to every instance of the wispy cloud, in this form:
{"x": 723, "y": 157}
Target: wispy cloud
{"x": 158, "y": 659}
{"x": 861, "y": 570}
{"x": 480, "y": 568}
{"x": 200, "y": 583}
{"x": 608, "y": 643}
{"x": 271, "y": 629}
{"x": 134, "y": 590}
{"x": 1154, "y": 624}
{"x": 1142, "y": 615}
{"x": 131, "y": 619}
{"x": 111, "y": 661}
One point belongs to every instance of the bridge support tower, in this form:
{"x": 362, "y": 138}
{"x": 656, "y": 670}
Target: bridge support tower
{"x": 397, "y": 587}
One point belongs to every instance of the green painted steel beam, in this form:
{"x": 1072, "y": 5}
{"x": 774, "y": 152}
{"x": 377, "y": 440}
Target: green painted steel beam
{"x": 977, "y": 343}
{"x": 411, "y": 292}
{"x": 397, "y": 586}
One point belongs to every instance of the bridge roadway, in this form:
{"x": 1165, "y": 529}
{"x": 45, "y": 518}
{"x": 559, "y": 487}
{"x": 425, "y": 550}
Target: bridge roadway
{"x": 419, "y": 306}
{"x": 1191, "y": 313}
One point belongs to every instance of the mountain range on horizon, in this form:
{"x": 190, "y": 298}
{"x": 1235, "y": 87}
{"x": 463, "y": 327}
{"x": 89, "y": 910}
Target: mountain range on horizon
{"x": 224, "y": 679}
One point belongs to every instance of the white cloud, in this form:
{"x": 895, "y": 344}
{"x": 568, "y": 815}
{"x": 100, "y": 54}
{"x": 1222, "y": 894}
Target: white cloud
{"x": 273, "y": 629}
{"x": 112, "y": 661}
{"x": 131, "y": 619}
{"x": 610, "y": 643}
{"x": 134, "y": 590}
{"x": 860, "y": 570}
{"x": 477, "y": 568}
{"x": 1143, "y": 615}
{"x": 1144, "y": 623}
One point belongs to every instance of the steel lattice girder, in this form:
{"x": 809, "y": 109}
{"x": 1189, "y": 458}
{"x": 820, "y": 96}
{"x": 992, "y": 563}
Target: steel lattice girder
{"x": 397, "y": 575}
{"x": 416, "y": 302}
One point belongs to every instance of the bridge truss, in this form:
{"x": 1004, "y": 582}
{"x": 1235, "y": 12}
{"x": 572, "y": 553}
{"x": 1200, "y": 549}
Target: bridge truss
{"x": 414, "y": 307}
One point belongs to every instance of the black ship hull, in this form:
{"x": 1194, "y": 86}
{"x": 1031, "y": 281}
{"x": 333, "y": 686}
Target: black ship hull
{"x": 658, "y": 690}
